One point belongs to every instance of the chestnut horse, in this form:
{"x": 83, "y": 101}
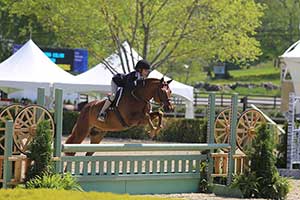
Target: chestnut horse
{"x": 134, "y": 109}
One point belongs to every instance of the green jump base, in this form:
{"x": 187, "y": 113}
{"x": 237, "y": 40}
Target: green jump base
{"x": 142, "y": 186}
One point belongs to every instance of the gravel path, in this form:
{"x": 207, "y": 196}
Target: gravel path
{"x": 294, "y": 194}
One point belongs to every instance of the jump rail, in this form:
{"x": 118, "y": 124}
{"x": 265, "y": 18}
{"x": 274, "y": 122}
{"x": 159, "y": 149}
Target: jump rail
{"x": 139, "y": 147}
{"x": 138, "y": 172}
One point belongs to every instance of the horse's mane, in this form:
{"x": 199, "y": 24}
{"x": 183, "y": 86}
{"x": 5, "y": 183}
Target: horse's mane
{"x": 147, "y": 83}
{"x": 152, "y": 79}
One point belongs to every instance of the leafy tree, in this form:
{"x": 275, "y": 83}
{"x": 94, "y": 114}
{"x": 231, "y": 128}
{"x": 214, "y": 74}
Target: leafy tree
{"x": 280, "y": 27}
{"x": 162, "y": 31}
{"x": 17, "y": 29}
{"x": 73, "y": 23}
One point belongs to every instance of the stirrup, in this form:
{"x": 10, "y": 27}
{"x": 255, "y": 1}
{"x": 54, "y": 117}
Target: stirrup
{"x": 101, "y": 117}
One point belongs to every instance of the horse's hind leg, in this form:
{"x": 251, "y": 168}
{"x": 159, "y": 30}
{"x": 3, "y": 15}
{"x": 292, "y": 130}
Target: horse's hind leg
{"x": 95, "y": 138}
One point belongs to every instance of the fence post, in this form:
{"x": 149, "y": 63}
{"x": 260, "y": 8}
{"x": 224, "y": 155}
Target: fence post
{"x": 196, "y": 99}
{"x": 232, "y": 137}
{"x": 210, "y": 133}
{"x": 245, "y": 102}
{"x": 7, "y": 169}
{"x": 222, "y": 100}
{"x": 58, "y": 129}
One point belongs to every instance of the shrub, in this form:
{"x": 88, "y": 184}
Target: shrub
{"x": 138, "y": 132}
{"x": 281, "y": 148}
{"x": 69, "y": 120}
{"x": 184, "y": 131}
{"x": 247, "y": 183}
{"x": 204, "y": 186}
{"x": 174, "y": 130}
{"x": 263, "y": 171}
{"x": 40, "y": 151}
{"x": 54, "y": 181}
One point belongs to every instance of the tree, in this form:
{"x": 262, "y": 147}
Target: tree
{"x": 17, "y": 29}
{"x": 162, "y": 31}
{"x": 185, "y": 31}
{"x": 280, "y": 27}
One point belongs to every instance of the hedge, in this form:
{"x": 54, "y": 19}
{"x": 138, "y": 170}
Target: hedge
{"x": 174, "y": 130}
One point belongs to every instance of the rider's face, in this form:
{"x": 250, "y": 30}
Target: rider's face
{"x": 145, "y": 73}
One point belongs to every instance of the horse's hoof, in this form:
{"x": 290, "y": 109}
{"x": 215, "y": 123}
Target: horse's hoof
{"x": 151, "y": 134}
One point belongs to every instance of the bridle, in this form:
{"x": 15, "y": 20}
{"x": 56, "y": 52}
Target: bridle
{"x": 160, "y": 93}
{"x": 163, "y": 96}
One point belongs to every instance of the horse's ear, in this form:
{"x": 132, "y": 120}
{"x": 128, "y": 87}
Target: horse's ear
{"x": 162, "y": 79}
{"x": 169, "y": 81}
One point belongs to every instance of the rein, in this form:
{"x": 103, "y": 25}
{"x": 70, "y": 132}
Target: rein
{"x": 139, "y": 98}
{"x": 146, "y": 101}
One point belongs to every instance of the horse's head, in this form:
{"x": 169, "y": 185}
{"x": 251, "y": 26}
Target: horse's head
{"x": 163, "y": 95}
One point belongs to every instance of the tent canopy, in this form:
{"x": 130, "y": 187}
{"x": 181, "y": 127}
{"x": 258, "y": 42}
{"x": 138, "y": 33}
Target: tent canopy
{"x": 291, "y": 60}
{"x": 30, "y": 68}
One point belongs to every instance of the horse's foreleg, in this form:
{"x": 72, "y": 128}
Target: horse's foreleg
{"x": 149, "y": 120}
{"x": 79, "y": 132}
{"x": 151, "y": 116}
{"x": 158, "y": 114}
{"x": 95, "y": 138}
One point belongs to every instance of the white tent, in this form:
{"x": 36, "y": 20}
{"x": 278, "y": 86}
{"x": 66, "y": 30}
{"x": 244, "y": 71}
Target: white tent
{"x": 28, "y": 69}
{"x": 180, "y": 89}
{"x": 100, "y": 76}
{"x": 291, "y": 59}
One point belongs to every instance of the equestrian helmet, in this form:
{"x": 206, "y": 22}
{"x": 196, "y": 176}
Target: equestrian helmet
{"x": 142, "y": 64}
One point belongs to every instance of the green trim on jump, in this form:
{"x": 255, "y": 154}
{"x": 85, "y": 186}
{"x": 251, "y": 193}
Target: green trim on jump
{"x": 232, "y": 137}
{"x": 150, "y": 173}
{"x": 7, "y": 172}
{"x": 140, "y": 147}
{"x": 58, "y": 117}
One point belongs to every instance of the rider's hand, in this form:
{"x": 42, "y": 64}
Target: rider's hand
{"x": 140, "y": 82}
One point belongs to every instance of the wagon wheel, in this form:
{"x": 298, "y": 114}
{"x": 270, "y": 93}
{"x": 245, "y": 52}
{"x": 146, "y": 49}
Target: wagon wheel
{"x": 222, "y": 126}
{"x": 26, "y": 123}
{"x": 8, "y": 113}
{"x": 247, "y": 126}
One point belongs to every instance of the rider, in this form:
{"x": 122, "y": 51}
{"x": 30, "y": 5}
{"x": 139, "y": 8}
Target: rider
{"x": 129, "y": 81}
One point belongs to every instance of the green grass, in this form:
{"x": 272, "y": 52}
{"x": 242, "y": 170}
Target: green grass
{"x": 261, "y": 73}
{"x": 256, "y": 91}
{"x": 47, "y": 194}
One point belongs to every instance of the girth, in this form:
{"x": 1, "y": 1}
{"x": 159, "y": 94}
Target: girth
{"x": 119, "y": 116}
